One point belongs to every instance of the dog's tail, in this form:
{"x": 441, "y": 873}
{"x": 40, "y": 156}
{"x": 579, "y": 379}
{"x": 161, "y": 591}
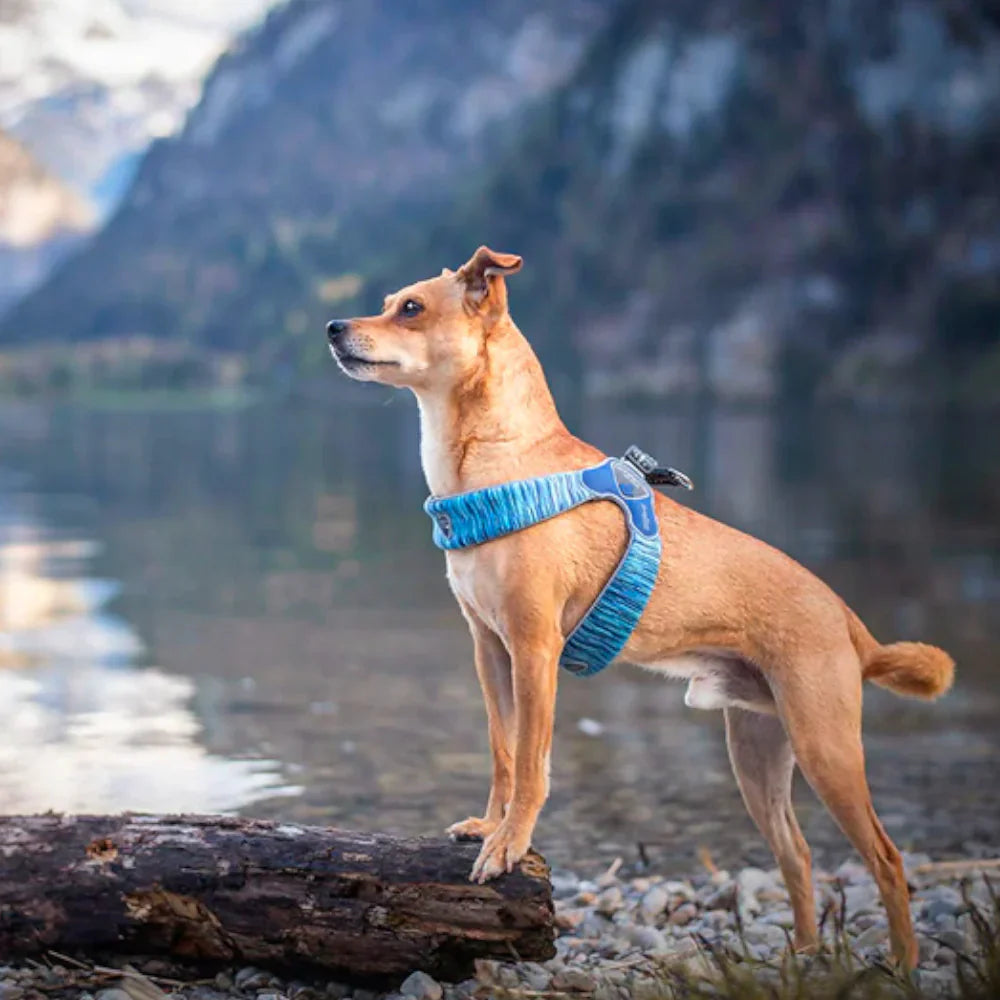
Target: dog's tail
{"x": 913, "y": 669}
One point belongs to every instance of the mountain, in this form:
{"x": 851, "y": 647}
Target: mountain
{"x": 40, "y": 219}
{"x": 753, "y": 197}
{"x": 86, "y": 86}
{"x": 314, "y": 134}
{"x": 759, "y": 198}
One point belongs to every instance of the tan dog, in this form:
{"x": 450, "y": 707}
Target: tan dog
{"x": 754, "y": 633}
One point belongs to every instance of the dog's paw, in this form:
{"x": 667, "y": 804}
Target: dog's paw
{"x": 501, "y": 850}
{"x": 472, "y": 828}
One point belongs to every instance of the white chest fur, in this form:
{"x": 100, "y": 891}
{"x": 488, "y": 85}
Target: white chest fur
{"x": 473, "y": 582}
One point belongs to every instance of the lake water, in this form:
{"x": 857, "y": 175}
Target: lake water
{"x": 242, "y": 610}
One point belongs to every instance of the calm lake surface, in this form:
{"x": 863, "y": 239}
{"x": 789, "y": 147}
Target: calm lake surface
{"x": 242, "y": 610}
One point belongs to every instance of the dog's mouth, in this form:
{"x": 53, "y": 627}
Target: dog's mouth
{"x": 354, "y": 362}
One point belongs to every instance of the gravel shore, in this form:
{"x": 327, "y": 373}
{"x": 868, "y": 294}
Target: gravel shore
{"x": 623, "y": 937}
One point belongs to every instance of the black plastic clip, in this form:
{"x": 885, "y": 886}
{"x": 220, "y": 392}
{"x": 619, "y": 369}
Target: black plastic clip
{"x": 653, "y": 473}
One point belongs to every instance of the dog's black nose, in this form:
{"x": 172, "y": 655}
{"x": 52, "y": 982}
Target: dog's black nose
{"x": 336, "y": 327}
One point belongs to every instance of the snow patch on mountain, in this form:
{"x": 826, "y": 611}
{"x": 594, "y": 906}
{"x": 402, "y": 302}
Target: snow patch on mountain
{"x": 84, "y": 85}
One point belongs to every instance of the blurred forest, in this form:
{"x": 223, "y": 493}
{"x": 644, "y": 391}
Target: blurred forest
{"x": 758, "y": 199}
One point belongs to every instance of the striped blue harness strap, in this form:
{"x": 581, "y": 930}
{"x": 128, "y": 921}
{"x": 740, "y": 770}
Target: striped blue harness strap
{"x": 468, "y": 519}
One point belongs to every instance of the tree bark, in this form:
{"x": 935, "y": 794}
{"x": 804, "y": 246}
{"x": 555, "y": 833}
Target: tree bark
{"x": 209, "y": 890}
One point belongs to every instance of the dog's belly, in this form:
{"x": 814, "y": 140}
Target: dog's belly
{"x": 716, "y": 681}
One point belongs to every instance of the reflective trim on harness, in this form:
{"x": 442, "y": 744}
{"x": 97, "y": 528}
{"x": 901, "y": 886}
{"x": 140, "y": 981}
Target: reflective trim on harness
{"x": 467, "y": 519}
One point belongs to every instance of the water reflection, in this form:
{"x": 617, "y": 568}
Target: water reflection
{"x": 82, "y": 728}
{"x": 277, "y": 565}
{"x": 43, "y": 617}
{"x": 86, "y": 737}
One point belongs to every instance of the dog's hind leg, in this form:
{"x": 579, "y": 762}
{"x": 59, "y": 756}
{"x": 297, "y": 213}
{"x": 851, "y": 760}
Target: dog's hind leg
{"x": 820, "y": 705}
{"x": 494, "y": 669}
{"x": 763, "y": 763}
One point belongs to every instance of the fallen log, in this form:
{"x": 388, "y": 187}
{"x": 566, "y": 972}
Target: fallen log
{"x": 209, "y": 890}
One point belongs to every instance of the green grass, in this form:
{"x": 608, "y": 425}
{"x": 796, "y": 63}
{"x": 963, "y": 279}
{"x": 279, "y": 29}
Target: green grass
{"x": 837, "y": 973}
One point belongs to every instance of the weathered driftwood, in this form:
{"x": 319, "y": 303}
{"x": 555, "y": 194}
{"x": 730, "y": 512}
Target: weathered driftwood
{"x": 208, "y": 889}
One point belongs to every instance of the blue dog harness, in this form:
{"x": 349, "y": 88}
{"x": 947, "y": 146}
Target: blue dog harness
{"x": 468, "y": 519}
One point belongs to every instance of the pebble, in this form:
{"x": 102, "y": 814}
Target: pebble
{"x": 570, "y": 919}
{"x": 683, "y": 915}
{"x": 861, "y": 898}
{"x": 765, "y": 934}
{"x": 574, "y": 980}
{"x": 716, "y": 919}
{"x": 928, "y": 950}
{"x": 594, "y": 926}
{"x": 873, "y": 936}
{"x": 565, "y": 885}
{"x": 648, "y": 939}
{"x": 610, "y": 901}
{"x": 782, "y": 918}
{"x": 943, "y": 901}
{"x": 945, "y": 956}
{"x": 590, "y": 727}
{"x": 536, "y": 977}
{"x": 947, "y": 895}
{"x": 493, "y": 973}
{"x": 935, "y": 983}
{"x": 723, "y": 898}
{"x": 753, "y": 880}
{"x": 852, "y": 872}
{"x": 653, "y": 903}
{"x": 955, "y": 940}
{"x": 249, "y": 978}
{"x": 682, "y": 889}
{"x": 420, "y": 986}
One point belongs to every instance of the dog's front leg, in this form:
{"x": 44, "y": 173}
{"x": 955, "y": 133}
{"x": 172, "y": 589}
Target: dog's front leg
{"x": 534, "y": 665}
{"x": 494, "y": 670}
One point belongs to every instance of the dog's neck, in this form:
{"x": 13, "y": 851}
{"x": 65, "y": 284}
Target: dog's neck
{"x": 479, "y": 432}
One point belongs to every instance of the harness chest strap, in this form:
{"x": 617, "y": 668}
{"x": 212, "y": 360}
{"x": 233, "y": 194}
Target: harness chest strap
{"x": 468, "y": 519}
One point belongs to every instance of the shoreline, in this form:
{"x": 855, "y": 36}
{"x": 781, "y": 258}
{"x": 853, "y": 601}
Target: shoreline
{"x": 717, "y": 932}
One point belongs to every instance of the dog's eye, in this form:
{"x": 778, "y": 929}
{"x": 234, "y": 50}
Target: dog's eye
{"x": 411, "y": 308}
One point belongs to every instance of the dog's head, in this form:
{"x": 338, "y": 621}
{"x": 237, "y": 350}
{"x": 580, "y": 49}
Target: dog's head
{"x": 431, "y": 334}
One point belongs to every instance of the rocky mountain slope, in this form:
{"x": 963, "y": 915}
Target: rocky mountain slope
{"x": 86, "y": 86}
{"x": 40, "y": 219}
{"x": 746, "y": 196}
{"x": 760, "y": 199}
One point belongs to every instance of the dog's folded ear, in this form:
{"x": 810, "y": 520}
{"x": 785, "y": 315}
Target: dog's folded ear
{"x": 483, "y": 275}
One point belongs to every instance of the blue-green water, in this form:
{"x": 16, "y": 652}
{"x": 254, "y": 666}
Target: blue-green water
{"x": 228, "y": 610}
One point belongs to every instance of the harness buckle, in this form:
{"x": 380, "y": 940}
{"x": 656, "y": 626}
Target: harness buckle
{"x": 653, "y": 472}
